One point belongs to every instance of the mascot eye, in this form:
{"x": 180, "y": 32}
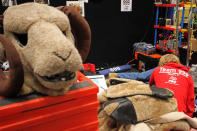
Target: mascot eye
{"x": 22, "y": 39}
{"x": 64, "y": 32}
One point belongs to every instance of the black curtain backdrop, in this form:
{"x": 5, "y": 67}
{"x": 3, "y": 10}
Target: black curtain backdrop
{"x": 114, "y": 32}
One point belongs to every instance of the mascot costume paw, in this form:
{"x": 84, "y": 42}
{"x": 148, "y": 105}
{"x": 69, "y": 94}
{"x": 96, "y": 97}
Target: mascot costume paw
{"x": 39, "y": 44}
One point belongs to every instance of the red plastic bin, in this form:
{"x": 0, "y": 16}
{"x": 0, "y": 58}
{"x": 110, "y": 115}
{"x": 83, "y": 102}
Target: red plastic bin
{"x": 89, "y": 67}
{"x": 75, "y": 110}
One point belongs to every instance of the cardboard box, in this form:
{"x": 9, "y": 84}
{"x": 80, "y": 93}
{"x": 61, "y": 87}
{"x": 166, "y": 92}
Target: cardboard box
{"x": 194, "y": 44}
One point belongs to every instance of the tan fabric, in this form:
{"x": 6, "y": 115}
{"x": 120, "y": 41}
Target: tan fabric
{"x": 20, "y": 18}
{"x": 139, "y": 127}
{"x": 178, "y": 121}
{"x": 160, "y": 114}
{"x": 147, "y": 107}
{"x": 180, "y": 125}
{"x": 110, "y": 108}
{"x": 126, "y": 89}
{"x": 102, "y": 96}
{"x": 174, "y": 116}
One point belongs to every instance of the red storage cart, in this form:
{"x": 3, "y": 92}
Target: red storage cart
{"x": 76, "y": 110}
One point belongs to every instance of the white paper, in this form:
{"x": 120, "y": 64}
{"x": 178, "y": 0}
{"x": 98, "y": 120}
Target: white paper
{"x": 79, "y": 5}
{"x": 99, "y": 80}
{"x": 126, "y": 5}
{"x": 86, "y": 1}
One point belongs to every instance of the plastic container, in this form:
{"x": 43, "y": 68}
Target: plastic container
{"x": 89, "y": 67}
{"x": 76, "y": 110}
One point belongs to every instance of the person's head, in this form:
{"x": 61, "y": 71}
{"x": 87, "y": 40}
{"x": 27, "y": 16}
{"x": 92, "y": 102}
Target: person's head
{"x": 168, "y": 58}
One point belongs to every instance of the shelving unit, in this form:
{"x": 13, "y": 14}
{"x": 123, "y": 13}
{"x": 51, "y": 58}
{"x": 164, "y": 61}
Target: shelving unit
{"x": 169, "y": 28}
{"x": 174, "y": 5}
{"x": 172, "y": 28}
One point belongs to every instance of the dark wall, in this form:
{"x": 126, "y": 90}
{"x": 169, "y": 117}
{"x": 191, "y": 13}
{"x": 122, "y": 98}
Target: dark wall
{"x": 114, "y": 32}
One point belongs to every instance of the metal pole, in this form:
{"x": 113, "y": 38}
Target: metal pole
{"x": 182, "y": 22}
{"x": 177, "y": 28}
{"x": 156, "y": 23}
{"x": 189, "y": 34}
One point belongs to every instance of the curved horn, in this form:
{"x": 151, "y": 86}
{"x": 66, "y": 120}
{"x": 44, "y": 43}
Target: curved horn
{"x": 10, "y": 87}
{"x": 81, "y": 30}
{"x": 1, "y": 23}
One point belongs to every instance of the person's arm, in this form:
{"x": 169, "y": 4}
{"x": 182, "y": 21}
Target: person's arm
{"x": 190, "y": 99}
{"x": 152, "y": 81}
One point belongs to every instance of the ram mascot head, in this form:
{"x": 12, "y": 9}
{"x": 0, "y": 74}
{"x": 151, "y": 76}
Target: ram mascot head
{"x": 42, "y": 40}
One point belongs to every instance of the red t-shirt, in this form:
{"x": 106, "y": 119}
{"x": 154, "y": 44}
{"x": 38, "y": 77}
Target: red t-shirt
{"x": 176, "y": 78}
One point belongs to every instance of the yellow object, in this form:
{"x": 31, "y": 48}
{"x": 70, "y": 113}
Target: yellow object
{"x": 188, "y": 5}
{"x": 183, "y": 30}
{"x": 112, "y": 75}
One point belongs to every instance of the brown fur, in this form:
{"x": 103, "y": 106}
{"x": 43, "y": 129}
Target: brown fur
{"x": 148, "y": 107}
{"x": 79, "y": 24}
{"x": 106, "y": 123}
{"x": 2, "y": 54}
{"x": 110, "y": 108}
{"x": 12, "y": 85}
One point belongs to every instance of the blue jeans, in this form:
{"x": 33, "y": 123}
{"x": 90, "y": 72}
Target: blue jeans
{"x": 141, "y": 76}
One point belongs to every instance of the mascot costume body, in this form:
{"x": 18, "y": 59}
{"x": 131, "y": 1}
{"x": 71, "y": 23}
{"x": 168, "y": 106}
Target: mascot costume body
{"x": 130, "y": 105}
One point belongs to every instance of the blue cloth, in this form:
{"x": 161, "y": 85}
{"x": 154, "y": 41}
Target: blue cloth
{"x": 115, "y": 69}
{"x": 141, "y": 76}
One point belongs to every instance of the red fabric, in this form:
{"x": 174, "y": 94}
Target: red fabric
{"x": 176, "y": 78}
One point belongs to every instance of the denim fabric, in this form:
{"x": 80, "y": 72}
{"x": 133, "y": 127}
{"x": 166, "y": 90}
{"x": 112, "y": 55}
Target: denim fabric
{"x": 141, "y": 76}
